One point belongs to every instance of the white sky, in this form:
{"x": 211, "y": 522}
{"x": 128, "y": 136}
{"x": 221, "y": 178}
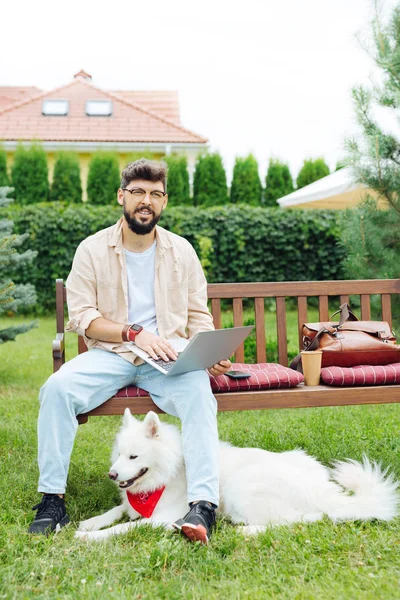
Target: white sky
{"x": 262, "y": 76}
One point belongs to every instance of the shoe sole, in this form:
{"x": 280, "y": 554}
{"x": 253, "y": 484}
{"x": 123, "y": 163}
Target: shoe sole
{"x": 195, "y": 533}
{"x": 64, "y": 521}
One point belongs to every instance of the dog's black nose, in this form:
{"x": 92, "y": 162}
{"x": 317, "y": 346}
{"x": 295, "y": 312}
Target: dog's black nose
{"x": 113, "y": 475}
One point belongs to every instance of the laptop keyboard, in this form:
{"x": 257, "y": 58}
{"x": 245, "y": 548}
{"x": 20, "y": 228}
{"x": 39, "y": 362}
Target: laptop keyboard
{"x": 164, "y": 364}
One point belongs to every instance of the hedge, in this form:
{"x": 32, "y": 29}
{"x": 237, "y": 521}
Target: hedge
{"x": 235, "y": 243}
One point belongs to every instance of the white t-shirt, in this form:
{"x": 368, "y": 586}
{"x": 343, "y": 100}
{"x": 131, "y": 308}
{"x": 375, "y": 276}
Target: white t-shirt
{"x": 140, "y": 268}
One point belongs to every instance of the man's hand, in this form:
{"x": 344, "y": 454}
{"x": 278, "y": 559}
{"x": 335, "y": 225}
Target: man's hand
{"x": 156, "y": 346}
{"x": 220, "y": 367}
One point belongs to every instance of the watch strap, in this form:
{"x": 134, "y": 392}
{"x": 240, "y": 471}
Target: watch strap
{"x": 130, "y": 331}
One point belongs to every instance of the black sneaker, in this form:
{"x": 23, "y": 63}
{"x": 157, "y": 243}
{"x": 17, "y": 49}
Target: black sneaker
{"x": 199, "y": 522}
{"x": 51, "y": 515}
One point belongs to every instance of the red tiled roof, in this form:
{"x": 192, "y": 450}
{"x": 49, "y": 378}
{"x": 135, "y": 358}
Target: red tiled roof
{"x": 129, "y": 122}
{"x": 9, "y": 95}
{"x": 163, "y": 103}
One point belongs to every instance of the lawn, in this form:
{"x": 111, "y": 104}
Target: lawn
{"x": 320, "y": 560}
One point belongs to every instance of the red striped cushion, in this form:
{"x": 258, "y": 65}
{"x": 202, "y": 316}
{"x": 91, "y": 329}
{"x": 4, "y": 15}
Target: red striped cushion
{"x": 361, "y": 375}
{"x": 264, "y": 376}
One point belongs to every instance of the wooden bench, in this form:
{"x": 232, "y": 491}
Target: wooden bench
{"x": 298, "y": 397}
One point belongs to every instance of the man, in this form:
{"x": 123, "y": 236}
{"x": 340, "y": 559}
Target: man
{"x": 133, "y": 281}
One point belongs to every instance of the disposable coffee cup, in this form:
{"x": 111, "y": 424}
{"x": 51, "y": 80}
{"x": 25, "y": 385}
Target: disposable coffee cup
{"x": 311, "y": 361}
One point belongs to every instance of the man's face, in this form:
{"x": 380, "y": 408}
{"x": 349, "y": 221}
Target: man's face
{"x": 143, "y": 204}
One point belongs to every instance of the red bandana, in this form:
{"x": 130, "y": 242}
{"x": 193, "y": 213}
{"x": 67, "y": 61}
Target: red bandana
{"x": 145, "y": 502}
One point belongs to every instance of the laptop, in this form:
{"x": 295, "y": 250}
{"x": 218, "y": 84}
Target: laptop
{"x": 204, "y": 350}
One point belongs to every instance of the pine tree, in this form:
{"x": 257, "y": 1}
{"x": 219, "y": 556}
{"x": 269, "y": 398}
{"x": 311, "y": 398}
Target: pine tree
{"x": 278, "y": 182}
{"x": 66, "y": 186}
{"x": 30, "y": 177}
{"x": 177, "y": 180}
{"x": 311, "y": 171}
{"x": 103, "y": 178}
{"x": 370, "y": 235}
{"x": 12, "y": 296}
{"x": 209, "y": 183}
{"x": 4, "y": 180}
{"x": 246, "y": 183}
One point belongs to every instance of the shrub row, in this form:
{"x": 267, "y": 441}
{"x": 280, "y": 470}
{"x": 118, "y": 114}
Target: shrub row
{"x": 29, "y": 177}
{"x": 235, "y": 243}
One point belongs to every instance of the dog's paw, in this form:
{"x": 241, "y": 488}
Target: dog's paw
{"x": 251, "y": 529}
{"x": 92, "y": 524}
{"x": 90, "y": 536}
{"x": 81, "y": 535}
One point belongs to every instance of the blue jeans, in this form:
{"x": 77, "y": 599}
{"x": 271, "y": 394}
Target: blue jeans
{"x": 89, "y": 379}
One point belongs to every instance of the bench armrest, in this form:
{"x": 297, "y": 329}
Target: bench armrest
{"x": 58, "y": 347}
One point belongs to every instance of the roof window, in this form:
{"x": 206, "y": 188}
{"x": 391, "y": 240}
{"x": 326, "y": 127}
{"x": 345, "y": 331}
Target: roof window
{"x": 56, "y": 108}
{"x": 99, "y": 108}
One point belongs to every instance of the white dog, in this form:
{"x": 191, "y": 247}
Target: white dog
{"x": 257, "y": 488}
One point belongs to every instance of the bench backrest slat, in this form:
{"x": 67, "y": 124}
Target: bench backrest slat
{"x": 216, "y": 312}
{"x": 365, "y": 307}
{"x": 259, "y": 312}
{"x": 238, "y": 322}
{"x": 323, "y": 308}
{"x": 302, "y": 315}
{"x": 281, "y": 330}
{"x": 387, "y": 309}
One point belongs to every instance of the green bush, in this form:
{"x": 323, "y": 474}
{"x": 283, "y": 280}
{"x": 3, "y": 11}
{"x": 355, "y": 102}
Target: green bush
{"x": 66, "y": 186}
{"x": 103, "y": 178}
{"x": 246, "y": 184}
{"x": 311, "y": 171}
{"x": 30, "y": 177}
{"x": 4, "y": 179}
{"x": 178, "y": 180}
{"x": 209, "y": 183}
{"x": 267, "y": 245}
{"x": 278, "y": 182}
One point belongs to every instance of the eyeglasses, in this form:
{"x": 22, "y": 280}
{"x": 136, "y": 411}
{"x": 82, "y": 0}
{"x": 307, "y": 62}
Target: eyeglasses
{"x": 139, "y": 194}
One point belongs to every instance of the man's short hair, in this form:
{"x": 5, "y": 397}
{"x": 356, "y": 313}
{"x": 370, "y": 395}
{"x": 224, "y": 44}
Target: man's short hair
{"x": 149, "y": 170}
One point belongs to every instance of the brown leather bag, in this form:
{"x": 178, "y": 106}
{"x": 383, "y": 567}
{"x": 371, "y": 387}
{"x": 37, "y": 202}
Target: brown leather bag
{"x": 350, "y": 342}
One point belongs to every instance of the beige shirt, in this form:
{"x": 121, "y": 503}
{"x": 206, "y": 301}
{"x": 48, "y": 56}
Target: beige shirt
{"x": 97, "y": 286}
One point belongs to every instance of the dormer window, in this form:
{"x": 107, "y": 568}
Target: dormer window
{"x": 55, "y": 108}
{"x": 99, "y": 108}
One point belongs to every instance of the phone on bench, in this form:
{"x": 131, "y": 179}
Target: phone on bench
{"x": 238, "y": 374}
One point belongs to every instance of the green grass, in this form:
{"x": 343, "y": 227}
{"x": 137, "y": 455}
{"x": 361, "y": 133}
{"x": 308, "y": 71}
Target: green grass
{"x": 299, "y": 562}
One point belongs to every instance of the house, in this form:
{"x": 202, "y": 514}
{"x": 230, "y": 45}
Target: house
{"x": 335, "y": 191}
{"x": 84, "y": 118}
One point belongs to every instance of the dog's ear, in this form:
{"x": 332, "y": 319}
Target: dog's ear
{"x": 128, "y": 417}
{"x": 151, "y": 424}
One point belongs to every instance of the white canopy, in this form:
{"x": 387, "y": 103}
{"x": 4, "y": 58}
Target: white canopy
{"x": 337, "y": 190}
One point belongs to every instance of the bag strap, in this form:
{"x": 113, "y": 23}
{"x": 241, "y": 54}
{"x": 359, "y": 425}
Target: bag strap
{"x": 296, "y": 362}
{"x": 346, "y": 314}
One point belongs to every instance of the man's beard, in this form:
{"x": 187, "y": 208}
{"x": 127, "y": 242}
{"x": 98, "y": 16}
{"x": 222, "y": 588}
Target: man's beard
{"x": 140, "y": 228}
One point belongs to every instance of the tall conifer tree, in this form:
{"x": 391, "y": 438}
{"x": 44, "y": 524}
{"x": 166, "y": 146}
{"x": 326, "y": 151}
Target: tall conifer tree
{"x": 209, "y": 185}
{"x": 371, "y": 236}
{"x": 246, "y": 183}
{"x": 4, "y": 179}
{"x": 66, "y": 186}
{"x": 30, "y": 177}
{"x": 12, "y": 296}
{"x": 278, "y": 182}
{"x": 311, "y": 171}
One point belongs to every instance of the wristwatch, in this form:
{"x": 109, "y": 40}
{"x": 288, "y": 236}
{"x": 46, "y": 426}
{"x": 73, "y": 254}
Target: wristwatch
{"x": 130, "y": 332}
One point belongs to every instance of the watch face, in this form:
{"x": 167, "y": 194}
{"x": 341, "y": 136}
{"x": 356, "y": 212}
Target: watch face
{"x": 136, "y": 328}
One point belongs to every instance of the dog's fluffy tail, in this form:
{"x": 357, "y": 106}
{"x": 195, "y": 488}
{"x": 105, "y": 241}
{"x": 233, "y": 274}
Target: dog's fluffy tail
{"x": 374, "y": 495}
